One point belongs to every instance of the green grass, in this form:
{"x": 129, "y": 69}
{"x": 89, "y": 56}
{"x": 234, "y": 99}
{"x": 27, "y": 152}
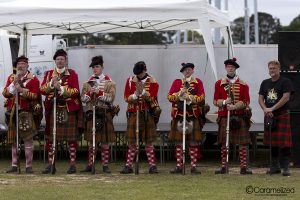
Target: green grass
{"x": 143, "y": 186}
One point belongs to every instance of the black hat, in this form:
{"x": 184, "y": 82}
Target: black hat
{"x": 232, "y": 62}
{"x": 60, "y": 52}
{"x": 97, "y": 60}
{"x": 21, "y": 59}
{"x": 186, "y": 65}
{"x": 139, "y": 67}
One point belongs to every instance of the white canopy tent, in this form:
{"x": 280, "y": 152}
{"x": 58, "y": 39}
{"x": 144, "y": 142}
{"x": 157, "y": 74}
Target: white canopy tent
{"x": 30, "y": 17}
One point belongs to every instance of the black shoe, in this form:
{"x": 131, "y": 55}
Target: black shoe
{"x": 126, "y": 170}
{"x": 176, "y": 170}
{"x": 286, "y": 172}
{"x": 153, "y": 170}
{"x": 222, "y": 170}
{"x": 29, "y": 170}
{"x": 71, "y": 170}
{"x": 194, "y": 170}
{"x": 274, "y": 170}
{"x": 87, "y": 169}
{"x": 286, "y": 162}
{"x": 13, "y": 169}
{"x": 106, "y": 170}
{"x": 245, "y": 171}
{"x": 48, "y": 170}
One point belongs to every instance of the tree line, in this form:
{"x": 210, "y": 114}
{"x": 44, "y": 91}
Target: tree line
{"x": 269, "y": 28}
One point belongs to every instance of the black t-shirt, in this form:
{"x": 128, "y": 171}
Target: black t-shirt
{"x": 273, "y": 91}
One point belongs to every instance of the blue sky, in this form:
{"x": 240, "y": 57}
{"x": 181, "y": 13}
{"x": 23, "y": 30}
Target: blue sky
{"x": 285, "y": 10}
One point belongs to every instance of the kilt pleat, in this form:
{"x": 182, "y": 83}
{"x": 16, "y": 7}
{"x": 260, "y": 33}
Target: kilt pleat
{"x": 67, "y": 130}
{"x": 147, "y": 128}
{"x": 23, "y": 135}
{"x": 240, "y": 136}
{"x": 281, "y": 135}
{"x": 106, "y": 134}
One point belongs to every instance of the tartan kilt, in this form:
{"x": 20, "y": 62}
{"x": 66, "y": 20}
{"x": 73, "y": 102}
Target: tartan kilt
{"x": 281, "y": 136}
{"x": 23, "y": 135}
{"x": 66, "y": 131}
{"x": 240, "y": 136}
{"x": 144, "y": 136}
{"x": 195, "y": 136}
{"x": 101, "y": 136}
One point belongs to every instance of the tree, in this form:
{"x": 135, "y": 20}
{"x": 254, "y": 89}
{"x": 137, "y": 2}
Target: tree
{"x": 116, "y": 38}
{"x": 294, "y": 25}
{"x": 268, "y": 29}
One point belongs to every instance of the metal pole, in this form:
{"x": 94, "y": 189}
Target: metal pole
{"x": 137, "y": 138}
{"x": 183, "y": 136}
{"x": 217, "y": 31}
{"x": 54, "y": 134}
{"x": 246, "y": 23}
{"x": 256, "y": 23}
{"x": 94, "y": 133}
{"x": 25, "y": 40}
{"x": 17, "y": 131}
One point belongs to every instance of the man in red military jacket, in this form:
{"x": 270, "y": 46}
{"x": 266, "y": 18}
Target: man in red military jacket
{"x": 64, "y": 82}
{"x": 141, "y": 92}
{"x": 191, "y": 89}
{"x": 26, "y": 85}
{"x": 232, "y": 94}
{"x": 100, "y": 91}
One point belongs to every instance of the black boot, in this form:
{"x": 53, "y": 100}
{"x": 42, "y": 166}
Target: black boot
{"x": 29, "y": 170}
{"x": 126, "y": 170}
{"x": 71, "y": 170}
{"x": 87, "y": 169}
{"x": 13, "y": 169}
{"x": 176, "y": 170}
{"x": 153, "y": 170}
{"x": 106, "y": 170}
{"x": 286, "y": 171}
{"x": 194, "y": 170}
{"x": 48, "y": 170}
{"x": 245, "y": 171}
{"x": 222, "y": 170}
{"x": 274, "y": 169}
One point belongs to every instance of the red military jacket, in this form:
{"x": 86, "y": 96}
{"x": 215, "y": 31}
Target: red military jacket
{"x": 240, "y": 92}
{"x": 70, "y": 95}
{"x": 196, "y": 94}
{"x": 148, "y": 100}
{"x": 26, "y": 99}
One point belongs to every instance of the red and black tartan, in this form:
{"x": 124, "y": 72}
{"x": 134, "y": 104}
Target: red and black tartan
{"x": 240, "y": 136}
{"x": 281, "y": 136}
{"x": 106, "y": 134}
{"x": 145, "y": 136}
{"x": 196, "y": 135}
{"x": 66, "y": 131}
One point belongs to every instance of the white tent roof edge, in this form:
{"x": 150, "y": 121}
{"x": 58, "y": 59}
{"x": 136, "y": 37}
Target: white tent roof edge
{"x": 51, "y": 17}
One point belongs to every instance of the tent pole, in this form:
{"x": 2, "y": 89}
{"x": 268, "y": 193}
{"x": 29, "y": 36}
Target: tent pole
{"x": 230, "y": 46}
{"x": 25, "y": 40}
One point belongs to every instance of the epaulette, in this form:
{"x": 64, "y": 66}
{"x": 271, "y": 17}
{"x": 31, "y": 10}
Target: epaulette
{"x": 242, "y": 82}
{"x": 152, "y": 79}
{"x": 223, "y": 81}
